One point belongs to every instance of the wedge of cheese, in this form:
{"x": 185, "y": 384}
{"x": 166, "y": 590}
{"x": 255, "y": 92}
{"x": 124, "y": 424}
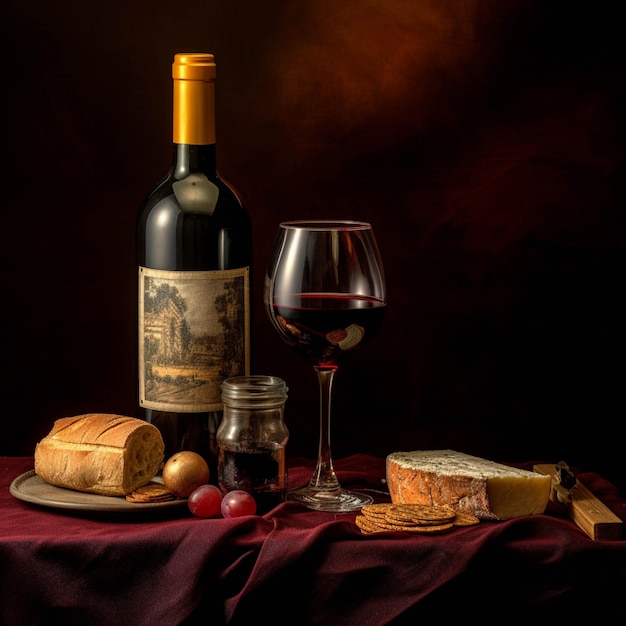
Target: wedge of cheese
{"x": 489, "y": 490}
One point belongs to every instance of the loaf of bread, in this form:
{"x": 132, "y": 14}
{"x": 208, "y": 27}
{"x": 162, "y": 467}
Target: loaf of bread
{"x": 100, "y": 453}
{"x": 470, "y": 484}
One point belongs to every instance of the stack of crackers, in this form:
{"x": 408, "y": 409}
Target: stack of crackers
{"x": 152, "y": 492}
{"x": 412, "y": 518}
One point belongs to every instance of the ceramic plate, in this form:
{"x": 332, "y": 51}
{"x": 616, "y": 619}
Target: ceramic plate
{"x": 31, "y": 488}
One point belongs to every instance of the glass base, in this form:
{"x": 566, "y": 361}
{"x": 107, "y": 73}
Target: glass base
{"x": 336, "y": 501}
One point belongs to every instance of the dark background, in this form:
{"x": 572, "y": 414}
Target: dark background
{"x": 483, "y": 139}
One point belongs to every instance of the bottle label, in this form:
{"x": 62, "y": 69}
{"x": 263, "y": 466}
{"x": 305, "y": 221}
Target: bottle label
{"x": 194, "y": 331}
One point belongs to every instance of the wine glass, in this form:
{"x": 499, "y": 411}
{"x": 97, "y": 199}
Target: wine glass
{"x": 324, "y": 294}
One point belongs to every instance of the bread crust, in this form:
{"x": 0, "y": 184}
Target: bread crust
{"x": 100, "y": 453}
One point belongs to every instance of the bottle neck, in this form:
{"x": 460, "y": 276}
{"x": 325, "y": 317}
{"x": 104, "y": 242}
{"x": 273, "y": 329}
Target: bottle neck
{"x": 189, "y": 159}
{"x": 194, "y": 116}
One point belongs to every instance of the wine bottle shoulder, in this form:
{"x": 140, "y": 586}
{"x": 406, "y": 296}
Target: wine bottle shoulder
{"x": 204, "y": 186}
{"x": 195, "y": 223}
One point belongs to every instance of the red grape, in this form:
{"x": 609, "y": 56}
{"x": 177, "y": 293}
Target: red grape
{"x": 237, "y": 503}
{"x": 205, "y": 501}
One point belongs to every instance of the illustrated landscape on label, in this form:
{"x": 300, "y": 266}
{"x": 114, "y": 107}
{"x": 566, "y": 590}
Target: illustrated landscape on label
{"x": 187, "y": 349}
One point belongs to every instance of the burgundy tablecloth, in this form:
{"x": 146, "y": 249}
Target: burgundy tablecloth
{"x": 295, "y": 566}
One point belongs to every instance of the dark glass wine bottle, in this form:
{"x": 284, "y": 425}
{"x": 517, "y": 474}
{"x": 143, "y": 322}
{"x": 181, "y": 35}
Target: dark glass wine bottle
{"x": 194, "y": 248}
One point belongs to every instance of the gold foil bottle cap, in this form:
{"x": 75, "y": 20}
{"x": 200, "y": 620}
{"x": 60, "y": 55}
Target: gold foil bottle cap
{"x": 193, "y": 66}
{"x": 194, "y": 98}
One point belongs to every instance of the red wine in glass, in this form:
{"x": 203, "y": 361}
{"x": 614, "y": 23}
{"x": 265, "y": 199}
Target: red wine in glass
{"x": 324, "y": 327}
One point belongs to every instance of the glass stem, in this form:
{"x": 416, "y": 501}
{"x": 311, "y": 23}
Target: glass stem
{"x": 324, "y": 478}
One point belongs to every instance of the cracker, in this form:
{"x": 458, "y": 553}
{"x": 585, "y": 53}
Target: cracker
{"x": 422, "y": 512}
{"x": 413, "y": 527}
{"x": 412, "y": 518}
{"x": 465, "y": 519}
{"x": 379, "y": 508}
{"x": 366, "y": 525}
{"x": 409, "y": 514}
{"x": 428, "y": 529}
{"x": 407, "y": 520}
{"x": 152, "y": 492}
{"x": 148, "y": 499}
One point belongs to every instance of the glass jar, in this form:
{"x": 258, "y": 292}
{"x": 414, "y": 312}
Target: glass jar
{"x": 252, "y": 438}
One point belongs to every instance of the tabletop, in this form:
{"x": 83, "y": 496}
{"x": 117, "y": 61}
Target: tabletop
{"x": 294, "y": 565}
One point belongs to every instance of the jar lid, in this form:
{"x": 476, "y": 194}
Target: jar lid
{"x": 254, "y": 388}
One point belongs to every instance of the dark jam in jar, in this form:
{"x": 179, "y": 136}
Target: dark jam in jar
{"x": 252, "y": 438}
{"x": 258, "y": 471}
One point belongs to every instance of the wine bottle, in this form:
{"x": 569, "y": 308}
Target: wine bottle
{"x": 194, "y": 249}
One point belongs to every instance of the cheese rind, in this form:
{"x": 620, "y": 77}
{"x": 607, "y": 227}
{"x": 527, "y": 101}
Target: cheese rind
{"x": 468, "y": 483}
